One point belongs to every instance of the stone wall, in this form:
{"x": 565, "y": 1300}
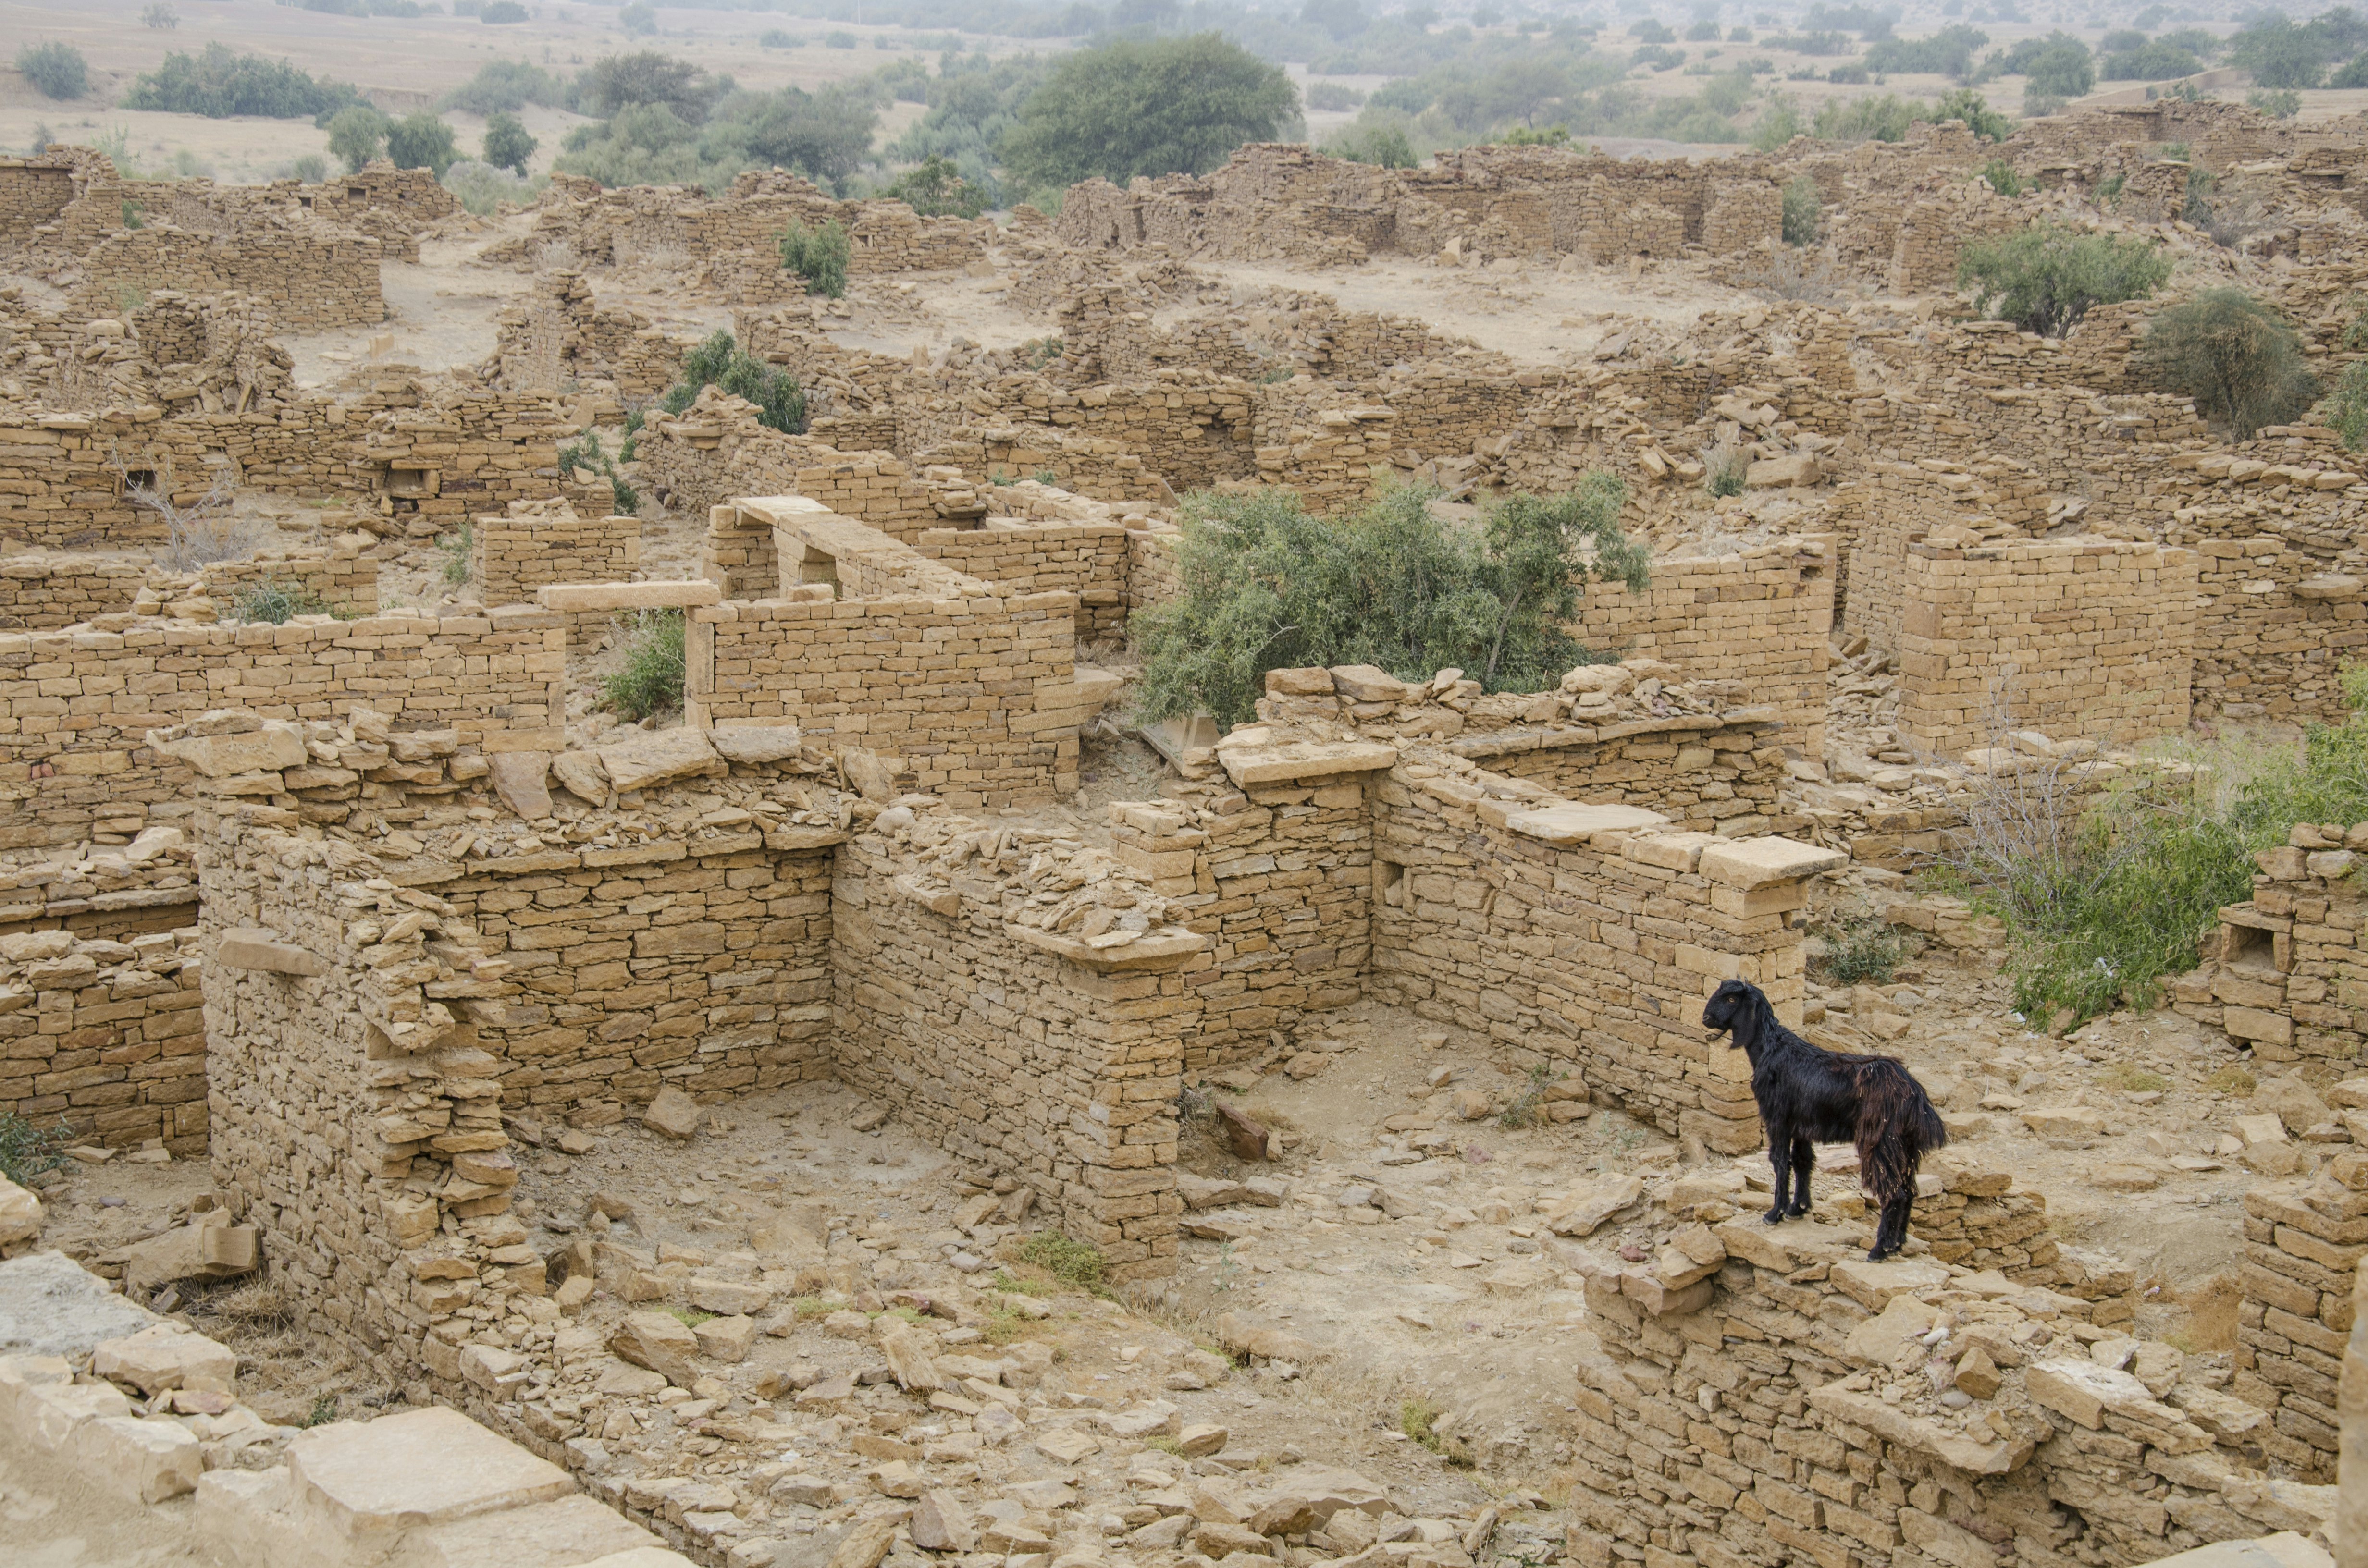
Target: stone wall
{"x": 1766, "y": 1395}
{"x": 1088, "y": 560}
{"x": 77, "y": 705}
{"x": 1705, "y": 773}
{"x": 106, "y": 1036}
{"x": 2302, "y": 1246}
{"x": 41, "y": 589}
{"x": 59, "y": 487}
{"x": 696, "y": 958}
{"x": 341, "y": 574}
{"x": 1763, "y": 616}
{"x": 1586, "y": 938}
{"x": 965, "y": 693}
{"x": 532, "y": 544}
{"x": 2284, "y": 972}
{"x": 985, "y": 983}
{"x": 2080, "y": 639}
{"x": 353, "y": 1120}
{"x": 309, "y": 275}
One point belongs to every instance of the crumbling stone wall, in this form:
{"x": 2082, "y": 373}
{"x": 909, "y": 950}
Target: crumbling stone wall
{"x": 106, "y": 1036}
{"x": 2302, "y": 1246}
{"x": 341, "y": 574}
{"x": 1705, "y": 772}
{"x": 40, "y": 590}
{"x": 1088, "y": 560}
{"x": 1762, "y": 1397}
{"x": 972, "y": 695}
{"x": 308, "y": 275}
{"x": 985, "y": 983}
{"x": 513, "y": 552}
{"x": 1531, "y": 917}
{"x": 354, "y": 1122}
{"x": 2284, "y": 972}
{"x": 75, "y": 706}
{"x": 2285, "y": 601}
{"x": 2088, "y": 639}
{"x": 694, "y": 957}
{"x": 1769, "y": 608}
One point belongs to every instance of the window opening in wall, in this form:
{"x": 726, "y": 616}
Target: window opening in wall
{"x": 1389, "y": 882}
{"x": 2251, "y": 947}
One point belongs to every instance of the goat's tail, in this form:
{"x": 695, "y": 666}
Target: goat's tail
{"x": 1897, "y": 1126}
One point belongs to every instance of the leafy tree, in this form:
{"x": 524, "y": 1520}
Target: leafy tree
{"x": 2238, "y": 357}
{"x": 1341, "y": 18}
{"x": 720, "y": 362}
{"x": 2283, "y": 104}
{"x": 2062, "y": 70}
{"x": 58, "y": 70}
{"x": 639, "y": 19}
{"x": 505, "y": 87}
{"x": 2283, "y": 53}
{"x": 1385, "y": 145}
{"x": 498, "y": 13}
{"x": 1650, "y": 31}
{"x": 358, "y": 134}
{"x": 1949, "y": 53}
{"x": 826, "y": 135}
{"x": 219, "y": 83}
{"x": 1968, "y": 105}
{"x": 937, "y": 189}
{"x": 2152, "y": 62}
{"x": 1267, "y": 586}
{"x": 819, "y": 255}
{"x": 625, "y": 80}
{"x": 1870, "y": 118}
{"x": 2120, "y": 39}
{"x": 2045, "y": 278}
{"x": 160, "y": 16}
{"x": 421, "y": 140}
{"x": 1167, "y": 106}
{"x": 507, "y": 144}
{"x": 2001, "y": 173}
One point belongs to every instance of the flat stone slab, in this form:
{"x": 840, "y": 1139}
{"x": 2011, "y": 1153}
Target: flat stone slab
{"x": 649, "y": 759}
{"x": 755, "y": 742}
{"x": 1297, "y": 760}
{"x": 679, "y": 594}
{"x": 1751, "y": 864}
{"x": 2284, "y": 1549}
{"x": 50, "y": 1306}
{"x": 423, "y": 1467}
{"x": 561, "y": 1534}
{"x": 252, "y": 947}
{"x": 1577, "y": 825}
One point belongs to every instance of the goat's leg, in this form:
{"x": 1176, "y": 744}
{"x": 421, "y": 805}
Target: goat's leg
{"x": 1805, "y": 1162}
{"x": 1780, "y": 1160}
{"x": 1891, "y": 1231}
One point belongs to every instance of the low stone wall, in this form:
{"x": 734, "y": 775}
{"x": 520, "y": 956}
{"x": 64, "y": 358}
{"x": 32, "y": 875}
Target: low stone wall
{"x": 1528, "y": 919}
{"x": 1014, "y": 1033}
{"x": 41, "y": 589}
{"x": 1766, "y": 1395}
{"x": 2079, "y": 639}
{"x": 106, "y": 1036}
{"x": 1088, "y": 560}
{"x": 721, "y": 989}
{"x": 2286, "y": 975}
{"x": 77, "y": 705}
{"x": 1763, "y": 616}
{"x": 535, "y": 543}
{"x": 1704, "y": 773}
{"x": 2303, "y": 1247}
{"x": 354, "y": 1122}
{"x": 341, "y": 574}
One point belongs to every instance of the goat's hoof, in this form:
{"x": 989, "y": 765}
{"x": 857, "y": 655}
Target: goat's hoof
{"x": 1775, "y": 1216}
{"x": 1878, "y": 1254}
{"x": 1799, "y": 1210}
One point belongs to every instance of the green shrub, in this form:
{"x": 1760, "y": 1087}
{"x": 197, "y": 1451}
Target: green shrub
{"x": 27, "y": 1150}
{"x": 1726, "y": 467}
{"x": 421, "y": 141}
{"x": 935, "y": 190}
{"x": 839, "y": 38}
{"x": 1858, "y": 952}
{"x": 1968, "y": 105}
{"x": 2283, "y": 103}
{"x": 1804, "y": 211}
{"x": 1266, "y": 587}
{"x": 1334, "y": 97}
{"x": 500, "y": 13}
{"x": 2101, "y": 905}
{"x": 311, "y": 169}
{"x": 1418, "y": 1418}
{"x": 1074, "y": 1263}
{"x": 356, "y": 133}
{"x": 2345, "y": 409}
{"x": 720, "y": 362}
{"x": 56, "y": 70}
{"x": 1386, "y": 146}
{"x": 217, "y": 82}
{"x": 505, "y": 87}
{"x": 639, "y": 19}
{"x": 2002, "y": 177}
{"x": 2045, "y": 278}
{"x": 651, "y": 680}
{"x": 507, "y": 143}
{"x": 1883, "y": 119}
{"x": 276, "y": 603}
{"x": 774, "y": 37}
{"x": 457, "y": 547}
{"x": 2235, "y": 357}
{"x": 1528, "y": 1106}
{"x": 817, "y": 254}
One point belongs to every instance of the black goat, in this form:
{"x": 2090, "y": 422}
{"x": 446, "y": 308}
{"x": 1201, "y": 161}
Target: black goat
{"x": 1809, "y": 1096}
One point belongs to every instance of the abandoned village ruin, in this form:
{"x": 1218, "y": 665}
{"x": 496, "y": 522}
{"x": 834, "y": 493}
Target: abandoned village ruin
{"x": 651, "y": 1137}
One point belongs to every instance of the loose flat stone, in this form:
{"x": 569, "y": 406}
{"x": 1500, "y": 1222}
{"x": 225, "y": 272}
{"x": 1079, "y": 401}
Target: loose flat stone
{"x": 370, "y": 1480}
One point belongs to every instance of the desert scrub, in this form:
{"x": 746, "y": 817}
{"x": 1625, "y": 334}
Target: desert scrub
{"x": 1418, "y": 1418}
{"x": 1528, "y": 1106}
{"x": 276, "y": 603}
{"x": 2045, "y": 278}
{"x": 689, "y": 1317}
{"x": 1074, "y": 1263}
{"x": 28, "y": 1151}
{"x": 651, "y": 680}
{"x": 2233, "y": 1081}
{"x": 1858, "y": 952}
{"x": 819, "y": 254}
{"x": 1727, "y": 467}
{"x": 457, "y": 547}
{"x": 2130, "y": 1078}
{"x": 2238, "y": 357}
{"x": 1804, "y": 211}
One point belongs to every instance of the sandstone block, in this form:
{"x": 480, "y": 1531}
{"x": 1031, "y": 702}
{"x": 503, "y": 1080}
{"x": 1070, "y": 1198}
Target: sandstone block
{"x": 660, "y": 1342}
{"x": 150, "y": 1460}
{"x": 168, "y": 1355}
